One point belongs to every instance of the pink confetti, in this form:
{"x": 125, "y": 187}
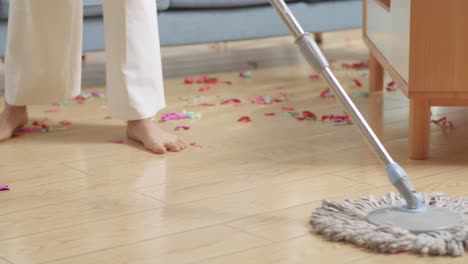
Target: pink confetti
{"x": 357, "y": 82}
{"x": 314, "y": 76}
{"x": 4, "y": 187}
{"x": 263, "y": 100}
{"x": 232, "y": 100}
{"x": 339, "y": 119}
{"x": 30, "y": 130}
{"x": 181, "y": 128}
{"x": 53, "y": 111}
{"x": 244, "y": 119}
{"x": 98, "y": 93}
{"x": 117, "y": 141}
{"x": 173, "y": 116}
{"x": 204, "y": 89}
{"x": 195, "y": 144}
{"x": 391, "y": 86}
{"x": 65, "y": 123}
{"x": 208, "y": 80}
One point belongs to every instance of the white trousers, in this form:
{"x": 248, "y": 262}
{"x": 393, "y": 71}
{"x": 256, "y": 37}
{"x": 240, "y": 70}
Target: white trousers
{"x": 43, "y": 57}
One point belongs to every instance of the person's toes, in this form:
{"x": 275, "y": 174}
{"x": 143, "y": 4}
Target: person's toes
{"x": 182, "y": 143}
{"x": 158, "y": 149}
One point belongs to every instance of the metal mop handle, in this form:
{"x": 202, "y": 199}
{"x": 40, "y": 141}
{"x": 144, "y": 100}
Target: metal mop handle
{"x": 317, "y": 60}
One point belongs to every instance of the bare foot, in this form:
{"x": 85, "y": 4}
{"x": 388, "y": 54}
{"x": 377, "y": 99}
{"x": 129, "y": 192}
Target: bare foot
{"x": 11, "y": 119}
{"x": 153, "y": 137}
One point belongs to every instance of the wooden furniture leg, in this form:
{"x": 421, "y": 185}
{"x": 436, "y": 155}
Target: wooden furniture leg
{"x": 419, "y": 128}
{"x": 376, "y": 75}
{"x": 318, "y": 37}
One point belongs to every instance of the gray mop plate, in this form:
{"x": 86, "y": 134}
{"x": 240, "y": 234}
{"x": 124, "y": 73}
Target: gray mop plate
{"x": 432, "y": 219}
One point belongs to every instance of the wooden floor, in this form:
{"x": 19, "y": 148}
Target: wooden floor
{"x": 243, "y": 197}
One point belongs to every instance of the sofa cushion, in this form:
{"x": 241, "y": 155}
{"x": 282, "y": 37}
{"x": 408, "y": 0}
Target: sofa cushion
{"x": 90, "y": 7}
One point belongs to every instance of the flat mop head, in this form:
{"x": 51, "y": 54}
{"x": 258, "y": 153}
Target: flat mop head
{"x": 381, "y": 224}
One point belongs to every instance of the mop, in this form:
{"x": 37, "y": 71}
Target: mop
{"x": 407, "y": 221}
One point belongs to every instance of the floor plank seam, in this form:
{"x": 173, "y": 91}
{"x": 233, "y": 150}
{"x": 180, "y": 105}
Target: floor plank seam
{"x": 6, "y": 260}
{"x": 149, "y": 196}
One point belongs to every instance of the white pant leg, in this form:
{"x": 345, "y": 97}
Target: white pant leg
{"x": 134, "y": 70}
{"x": 43, "y": 56}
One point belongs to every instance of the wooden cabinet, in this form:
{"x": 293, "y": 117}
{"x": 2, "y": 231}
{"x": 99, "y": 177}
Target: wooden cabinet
{"x": 423, "y": 45}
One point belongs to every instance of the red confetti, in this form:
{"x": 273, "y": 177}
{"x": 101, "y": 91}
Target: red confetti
{"x": 314, "y": 76}
{"x": 117, "y": 141}
{"x": 189, "y": 80}
{"x": 53, "y": 111}
{"x": 337, "y": 119}
{"x": 181, "y": 128}
{"x": 443, "y": 122}
{"x": 206, "y": 79}
{"x": 65, "y": 123}
{"x": 309, "y": 115}
{"x": 244, "y": 119}
{"x": 326, "y": 93}
{"x": 204, "y": 89}
{"x": 357, "y": 82}
{"x": 359, "y": 65}
{"x": 288, "y": 108}
{"x": 232, "y": 100}
{"x": 270, "y": 114}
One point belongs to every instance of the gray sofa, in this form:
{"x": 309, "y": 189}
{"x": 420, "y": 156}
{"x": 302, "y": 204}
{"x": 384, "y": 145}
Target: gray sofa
{"x": 199, "y": 21}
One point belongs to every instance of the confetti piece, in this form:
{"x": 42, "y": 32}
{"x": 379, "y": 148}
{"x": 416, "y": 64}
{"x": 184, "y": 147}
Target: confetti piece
{"x": 65, "y": 123}
{"x": 31, "y": 130}
{"x": 4, "y": 187}
{"x": 98, "y": 94}
{"x": 208, "y": 80}
{"x": 280, "y": 99}
{"x": 314, "y": 76}
{"x": 293, "y": 114}
{"x": 245, "y": 74}
{"x": 53, "y": 111}
{"x": 117, "y": 141}
{"x": 191, "y": 115}
{"x": 181, "y": 128}
{"x": 263, "y": 100}
{"x": 309, "y": 115}
{"x": 362, "y": 94}
{"x": 204, "y": 89}
{"x": 391, "y": 86}
{"x": 173, "y": 116}
{"x": 363, "y": 72}
{"x": 195, "y": 144}
{"x": 357, "y": 82}
{"x": 61, "y": 104}
{"x": 107, "y": 117}
{"x": 288, "y": 108}
{"x": 337, "y": 120}
{"x": 244, "y": 119}
{"x": 270, "y": 114}
{"x": 189, "y": 80}
{"x": 326, "y": 93}
{"x": 443, "y": 122}
{"x": 358, "y": 65}
{"x": 82, "y": 97}
{"x": 232, "y": 100}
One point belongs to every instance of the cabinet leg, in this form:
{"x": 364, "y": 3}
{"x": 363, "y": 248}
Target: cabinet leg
{"x": 376, "y": 75}
{"x": 419, "y": 128}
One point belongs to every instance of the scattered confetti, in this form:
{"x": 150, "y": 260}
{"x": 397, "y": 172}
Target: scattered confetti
{"x": 314, "y": 76}
{"x": 245, "y": 74}
{"x": 362, "y": 94}
{"x": 288, "y": 108}
{"x": 192, "y": 115}
{"x": 293, "y": 114}
{"x": 391, "y": 86}
{"x": 443, "y": 122}
{"x": 338, "y": 120}
{"x": 32, "y": 130}
{"x": 82, "y": 97}
{"x": 195, "y": 144}
{"x": 358, "y": 65}
{"x": 206, "y": 79}
{"x": 270, "y": 114}
{"x": 61, "y": 104}
{"x": 309, "y": 115}
{"x": 204, "y": 89}
{"x": 232, "y": 100}
{"x": 327, "y": 93}
{"x": 244, "y": 119}
{"x": 117, "y": 141}
{"x": 189, "y": 80}
{"x": 181, "y": 128}
{"x": 4, "y": 187}
{"x": 357, "y": 82}
{"x": 263, "y": 100}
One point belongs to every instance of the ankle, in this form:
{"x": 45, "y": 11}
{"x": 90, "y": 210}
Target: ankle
{"x": 14, "y": 108}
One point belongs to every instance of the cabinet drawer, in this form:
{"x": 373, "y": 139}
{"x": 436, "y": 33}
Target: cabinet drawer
{"x": 388, "y": 27}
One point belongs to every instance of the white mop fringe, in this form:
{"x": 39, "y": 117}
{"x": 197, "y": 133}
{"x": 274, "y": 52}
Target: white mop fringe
{"x": 346, "y": 221}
